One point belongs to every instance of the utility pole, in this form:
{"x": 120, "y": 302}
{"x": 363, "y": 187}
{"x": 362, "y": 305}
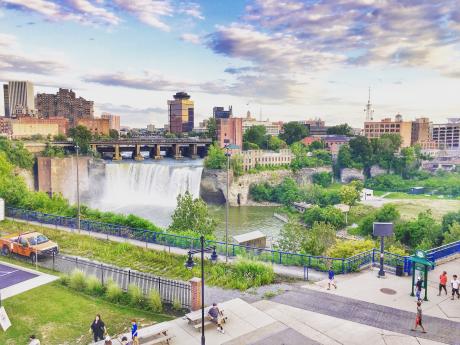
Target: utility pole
{"x": 226, "y": 204}
{"x": 77, "y": 148}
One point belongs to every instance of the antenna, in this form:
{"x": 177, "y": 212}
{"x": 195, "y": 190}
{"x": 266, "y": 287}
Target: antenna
{"x": 368, "y": 110}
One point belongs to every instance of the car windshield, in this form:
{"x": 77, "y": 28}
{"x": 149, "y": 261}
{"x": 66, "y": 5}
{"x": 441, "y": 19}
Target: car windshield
{"x": 39, "y": 239}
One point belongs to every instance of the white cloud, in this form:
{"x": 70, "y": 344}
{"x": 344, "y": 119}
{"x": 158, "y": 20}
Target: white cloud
{"x": 192, "y": 9}
{"x": 191, "y": 38}
{"x": 149, "y": 12}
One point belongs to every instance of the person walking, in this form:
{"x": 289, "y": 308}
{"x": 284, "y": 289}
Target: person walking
{"x": 455, "y": 283}
{"x": 134, "y": 334}
{"x": 331, "y": 281}
{"x": 33, "y": 340}
{"x": 418, "y": 318}
{"x": 442, "y": 283}
{"x": 418, "y": 288}
{"x": 98, "y": 328}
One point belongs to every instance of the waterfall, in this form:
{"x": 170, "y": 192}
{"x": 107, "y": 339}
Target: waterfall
{"x": 148, "y": 189}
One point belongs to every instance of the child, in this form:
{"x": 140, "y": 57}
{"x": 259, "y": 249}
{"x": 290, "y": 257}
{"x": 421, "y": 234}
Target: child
{"x": 134, "y": 335}
{"x": 418, "y": 318}
{"x": 331, "y": 279}
{"x": 455, "y": 283}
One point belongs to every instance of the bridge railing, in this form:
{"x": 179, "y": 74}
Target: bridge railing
{"x": 320, "y": 263}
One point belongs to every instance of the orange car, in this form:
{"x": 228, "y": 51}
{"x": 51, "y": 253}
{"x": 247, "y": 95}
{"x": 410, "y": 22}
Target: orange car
{"x": 29, "y": 244}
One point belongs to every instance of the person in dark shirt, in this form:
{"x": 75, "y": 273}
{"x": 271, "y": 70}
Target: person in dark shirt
{"x": 134, "y": 334}
{"x": 419, "y": 286}
{"x": 98, "y": 328}
{"x": 214, "y": 316}
{"x": 331, "y": 281}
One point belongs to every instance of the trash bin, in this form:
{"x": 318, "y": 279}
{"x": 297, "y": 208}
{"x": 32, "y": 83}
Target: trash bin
{"x": 399, "y": 270}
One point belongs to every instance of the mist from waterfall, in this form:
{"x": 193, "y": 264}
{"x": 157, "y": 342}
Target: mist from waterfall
{"x": 148, "y": 189}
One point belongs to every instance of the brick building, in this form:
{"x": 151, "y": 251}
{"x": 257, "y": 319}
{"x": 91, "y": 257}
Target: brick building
{"x": 374, "y": 129}
{"x": 252, "y": 158}
{"x": 114, "y": 121}
{"x": 230, "y": 131}
{"x": 96, "y": 126}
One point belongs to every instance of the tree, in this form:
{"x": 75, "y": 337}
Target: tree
{"x": 53, "y": 151}
{"x": 320, "y": 238}
{"x": 453, "y": 234}
{"x": 387, "y": 213}
{"x": 275, "y": 143}
{"x": 343, "y": 129}
{"x": 113, "y": 133}
{"x": 212, "y": 128}
{"x": 349, "y": 195}
{"x": 216, "y": 157}
{"x": 60, "y": 137}
{"x": 256, "y": 135}
{"x": 293, "y": 131}
{"x": 16, "y": 153}
{"x": 324, "y": 179}
{"x": 361, "y": 152}
{"x": 449, "y": 219}
{"x": 293, "y": 237}
{"x": 385, "y": 148}
{"x": 423, "y": 232}
{"x": 317, "y": 145}
{"x": 344, "y": 159}
{"x": 81, "y": 136}
{"x": 236, "y": 163}
{"x": 328, "y": 214}
{"x": 192, "y": 215}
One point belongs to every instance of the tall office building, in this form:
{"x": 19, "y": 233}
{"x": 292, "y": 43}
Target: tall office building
{"x": 19, "y": 98}
{"x": 181, "y": 113}
{"x": 64, "y": 103}
{"x": 221, "y": 113}
{"x": 114, "y": 120}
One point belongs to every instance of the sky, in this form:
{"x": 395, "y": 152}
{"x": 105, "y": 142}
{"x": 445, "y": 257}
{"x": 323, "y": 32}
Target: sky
{"x": 282, "y": 60}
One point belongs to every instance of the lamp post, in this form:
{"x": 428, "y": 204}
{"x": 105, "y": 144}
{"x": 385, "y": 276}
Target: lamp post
{"x": 189, "y": 264}
{"x": 77, "y": 148}
{"x": 227, "y": 154}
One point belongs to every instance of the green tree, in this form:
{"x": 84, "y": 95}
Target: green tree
{"x": 328, "y": 214}
{"x": 320, "y": 238}
{"x": 324, "y": 179}
{"x": 82, "y": 137}
{"x": 256, "y": 135}
{"x": 59, "y": 137}
{"x": 113, "y": 133}
{"x": 361, "y": 152}
{"x": 449, "y": 219}
{"x": 192, "y": 215}
{"x": 385, "y": 148}
{"x": 423, "y": 232}
{"x": 293, "y": 237}
{"x": 344, "y": 159}
{"x": 349, "y": 195}
{"x": 16, "y": 153}
{"x": 236, "y": 164}
{"x": 452, "y": 234}
{"x": 216, "y": 158}
{"x": 275, "y": 143}
{"x": 387, "y": 213}
{"x": 343, "y": 129}
{"x": 293, "y": 132}
{"x": 212, "y": 128}
{"x": 53, "y": 151}
{"x": 317, "y": 145}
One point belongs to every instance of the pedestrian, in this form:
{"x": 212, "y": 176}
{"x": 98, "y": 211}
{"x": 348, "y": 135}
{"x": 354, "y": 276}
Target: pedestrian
{"x": 331, "y": 275}
{"x": 33, "y": 340}
{"x": 108, "y": 341}
{"x": 214, "y": 316}
{"x": 134, "y": 335}
{"x": 455, "y": 283}
{"x": 418, "y": 318}
{"x": 98, "y": 328}
{"x": 442, "y": 283}
{"x": 124, "y": 341}
{"x": 418, "y": 288}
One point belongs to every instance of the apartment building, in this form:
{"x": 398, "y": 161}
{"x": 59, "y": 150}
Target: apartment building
{"x": 253, "y": 158}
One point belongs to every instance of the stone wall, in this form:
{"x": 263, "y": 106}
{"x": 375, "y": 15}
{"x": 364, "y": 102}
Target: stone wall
{"x": 28, "y": 177}
{"x": 347, "y": 175}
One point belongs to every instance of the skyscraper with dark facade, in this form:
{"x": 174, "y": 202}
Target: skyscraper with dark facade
{"x": 64, "y": 103}
{"x": 221, "y": 113}
{"x": 181, "y": 113}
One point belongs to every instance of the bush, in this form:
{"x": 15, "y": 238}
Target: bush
{"x": 328, "y": 214}
{"x": 77, "y": 280}
{"x": 324, "y": 179}
{"x": 345, "y": 249}
{"x": 176, "y": 305}
{"x": 252, "y": 273}
{"x": 113, "y": 292}
{"x": 65, "y": 280}
{"x": 154, "y": 301}
{"x": 135, "y": 295}
{"x": 387, "y": 213}
{"x": 94, "y": 286}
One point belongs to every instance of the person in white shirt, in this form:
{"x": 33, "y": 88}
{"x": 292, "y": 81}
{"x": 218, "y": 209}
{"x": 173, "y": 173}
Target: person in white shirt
{"x": 455, "y": 283}
{"x": 33, "y": 340}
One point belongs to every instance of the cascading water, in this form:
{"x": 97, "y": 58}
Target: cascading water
{"x": 147, "y": 189}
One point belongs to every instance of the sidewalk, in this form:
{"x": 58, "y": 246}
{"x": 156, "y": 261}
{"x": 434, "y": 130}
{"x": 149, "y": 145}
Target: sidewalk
{"x": 290, "y": 271}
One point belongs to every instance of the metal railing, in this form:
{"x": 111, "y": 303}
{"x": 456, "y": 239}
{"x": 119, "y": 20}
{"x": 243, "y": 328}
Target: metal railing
{"x": 320, "y": 263}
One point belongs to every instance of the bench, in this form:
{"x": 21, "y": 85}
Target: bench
{"x": 209, "y": 322}
{"x": 163, "y": 339}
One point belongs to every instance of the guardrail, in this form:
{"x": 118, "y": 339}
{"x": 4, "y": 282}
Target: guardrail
{"x": 320, "y": 263}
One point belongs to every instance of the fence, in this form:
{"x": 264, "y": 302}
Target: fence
{"x": 320, "y": 263}
{"x": 169, "y": 290}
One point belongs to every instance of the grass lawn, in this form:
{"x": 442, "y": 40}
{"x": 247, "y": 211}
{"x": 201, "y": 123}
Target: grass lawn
{"x": 410, "y": 208}
{"x": 146, "y": 260}
{"x": 401, "y": 195}
{"x": 59, "y": 315}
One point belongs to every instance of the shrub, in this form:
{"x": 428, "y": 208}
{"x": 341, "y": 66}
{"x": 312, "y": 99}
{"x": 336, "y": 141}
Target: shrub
{"x": 94, "y": 286}
{"x": 136, "y": 297}
{"x": 77, "y": 280}
{"x": 248, "y": 273}
{"x": 113, "y": 292}
{"x": 324, "y": 179}
{"x": 345, "y": 249}
{"x": 65, "y": 280}
{"x": 176, "y": 305}
{"x": 154, "y": 301}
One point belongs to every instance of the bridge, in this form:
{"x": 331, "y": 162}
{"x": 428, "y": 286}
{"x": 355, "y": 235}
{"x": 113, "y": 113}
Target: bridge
{"x": 173, "y": 147}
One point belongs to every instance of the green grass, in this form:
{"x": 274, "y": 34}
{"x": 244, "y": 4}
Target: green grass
{"x": 410, "y": 208}
{"x": 146, "y": 260}
{"x": 59, "y": 315}
{"x": 401, "y": 195}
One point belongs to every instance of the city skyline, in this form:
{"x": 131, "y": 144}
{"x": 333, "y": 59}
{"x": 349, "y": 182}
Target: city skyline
{"x": 289, "y": 61}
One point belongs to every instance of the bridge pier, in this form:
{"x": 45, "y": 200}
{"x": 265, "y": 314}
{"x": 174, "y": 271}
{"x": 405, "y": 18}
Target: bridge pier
{"x": 193, "y": 151}
{"x": 155, "y": 152}
{"x": 177, "y": 153}
{"x": 137, "y": 153}
{"x": 116, "y": 154}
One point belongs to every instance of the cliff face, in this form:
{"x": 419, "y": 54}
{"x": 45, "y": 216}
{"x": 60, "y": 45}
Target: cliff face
{"x": 214, "y": 184}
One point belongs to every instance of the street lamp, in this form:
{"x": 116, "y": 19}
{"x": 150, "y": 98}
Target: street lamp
{"x": 189, "y": 264}
{"x": 228, "y": 155}
{"x": 77, "y": 148}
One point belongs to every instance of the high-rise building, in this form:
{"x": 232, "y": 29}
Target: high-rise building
{"x": 447, "y": 135}
{"x": 230, "y": 131}
{"x": 221, "y": 113}
{"x": 64, "y": 103}
{"x": 19, "y": 98}
{"x": 374, "y": 129}
{"x": 114, "y": 120}
{"x": 181, "y": 113}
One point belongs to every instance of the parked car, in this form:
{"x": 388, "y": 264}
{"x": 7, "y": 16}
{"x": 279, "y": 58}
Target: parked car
{"x": 30, "y": 244}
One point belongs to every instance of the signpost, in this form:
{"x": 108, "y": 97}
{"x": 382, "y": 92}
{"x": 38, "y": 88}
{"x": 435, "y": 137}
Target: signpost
{"x": 383, "y": 230}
